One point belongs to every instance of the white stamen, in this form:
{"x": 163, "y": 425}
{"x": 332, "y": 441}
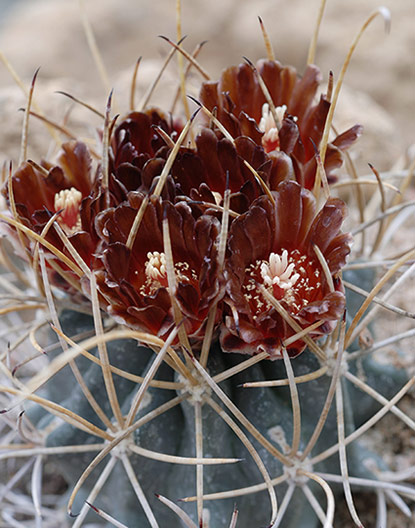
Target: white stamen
{"x": 68, "y": 200}
{"x": 268, "y": 126}
{"x": 279, "y": 272}
{"x": 218, "y": 197}
{"x": 156, "y": 266}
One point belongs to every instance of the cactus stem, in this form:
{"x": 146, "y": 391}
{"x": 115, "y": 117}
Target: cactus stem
{"x": 152, "y": 341}
{"x": 254, "y": 454}
{"x": 168, "y": 385}
{"x": 240, "y": 416}
{"x": 103, "y": 354}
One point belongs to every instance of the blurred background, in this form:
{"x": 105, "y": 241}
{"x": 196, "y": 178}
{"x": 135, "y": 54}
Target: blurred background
{"x": 379, "y": 89}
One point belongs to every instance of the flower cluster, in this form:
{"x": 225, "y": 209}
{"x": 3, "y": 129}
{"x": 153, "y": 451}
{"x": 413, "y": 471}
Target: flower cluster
{"x": 156, "y": 256}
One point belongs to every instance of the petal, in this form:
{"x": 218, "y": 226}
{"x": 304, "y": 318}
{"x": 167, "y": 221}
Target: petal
{"x": 327, "y": 224}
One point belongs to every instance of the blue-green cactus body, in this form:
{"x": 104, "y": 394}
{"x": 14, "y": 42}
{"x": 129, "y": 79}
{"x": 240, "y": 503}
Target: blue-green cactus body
{"x": 173, "y": 432}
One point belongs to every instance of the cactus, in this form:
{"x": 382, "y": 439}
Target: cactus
{"x": 208, "y": 324}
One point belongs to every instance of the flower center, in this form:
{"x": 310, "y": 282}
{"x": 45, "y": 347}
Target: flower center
{"x": 156, "y": 273}
{"x": 292, "y": 278}
{"x": 69, "y": 200}
{"x": 267, "y": 125}
{"x": 155, "y": 268}
{"x": 279, "y": 274}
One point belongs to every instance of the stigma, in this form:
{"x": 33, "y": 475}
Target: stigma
{"x": 68, "y": 202}
{"x": 278, "y": 273}
{"x": 155, "y": 268}
{"x": 267, "y": 125}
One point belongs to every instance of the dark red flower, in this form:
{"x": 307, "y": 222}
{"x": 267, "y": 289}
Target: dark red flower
{"x": 68, "y": 182}
{"x": 204, "y": 172}
{"x": 138, "y": 152}
{"x": 134, "y": 282}
{"x": 69, "y": 188}
{"x": 242, "y": 108}
{"x": 273, "y": 246}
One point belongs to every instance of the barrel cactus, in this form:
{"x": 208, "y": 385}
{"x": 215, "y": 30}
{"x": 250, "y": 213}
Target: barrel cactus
{"x": 207, "y": 317}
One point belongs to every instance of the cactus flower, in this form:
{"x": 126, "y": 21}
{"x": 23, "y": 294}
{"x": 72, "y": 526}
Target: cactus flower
{"x": 273, "y": 246}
